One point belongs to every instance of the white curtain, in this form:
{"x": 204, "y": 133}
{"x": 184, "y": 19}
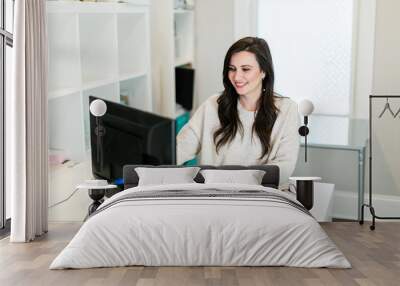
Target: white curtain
{"x": 26, "y": 123}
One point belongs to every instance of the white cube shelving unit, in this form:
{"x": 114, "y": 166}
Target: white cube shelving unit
{"x": 184, "y": 37}
{"x": 64, "y": 56}
{"x": 100, "y": 49}
{"x": 173, "y": 30}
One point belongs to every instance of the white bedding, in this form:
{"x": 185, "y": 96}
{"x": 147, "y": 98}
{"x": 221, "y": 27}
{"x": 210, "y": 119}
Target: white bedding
{"x": 200, "y": 231}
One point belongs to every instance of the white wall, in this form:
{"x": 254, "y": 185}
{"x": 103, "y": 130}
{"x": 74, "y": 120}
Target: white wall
{"x": 386, "y": 80}
{"x": 218, "y": 25}
{"x": 364, "y": 57}
{"x": 387, "y": 48}
{"x": 378, "y": 59}
{"x": 214, "y": 35}
{"x": 245, "y": 18}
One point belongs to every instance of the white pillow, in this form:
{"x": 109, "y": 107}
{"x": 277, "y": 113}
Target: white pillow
{"x": 248, "y": 177}
{"x": 163, "y": 176}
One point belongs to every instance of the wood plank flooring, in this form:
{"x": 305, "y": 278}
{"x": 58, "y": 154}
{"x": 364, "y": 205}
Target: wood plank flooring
{"x": 374, "y": 255}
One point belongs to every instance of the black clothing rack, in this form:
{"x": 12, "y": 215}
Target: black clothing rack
{"x": 370, "y": 205}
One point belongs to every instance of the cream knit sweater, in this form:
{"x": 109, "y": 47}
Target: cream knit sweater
{"x": 196, "y": 139}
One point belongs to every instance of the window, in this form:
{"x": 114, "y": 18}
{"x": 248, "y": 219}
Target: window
{"x": 6, "y": 43}
{"x": 311, "y": 46}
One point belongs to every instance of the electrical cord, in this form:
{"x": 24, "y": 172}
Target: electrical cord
{"x": 60, "y": 202}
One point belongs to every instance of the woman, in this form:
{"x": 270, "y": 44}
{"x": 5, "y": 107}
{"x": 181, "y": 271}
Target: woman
{"x": 248, "y": 124}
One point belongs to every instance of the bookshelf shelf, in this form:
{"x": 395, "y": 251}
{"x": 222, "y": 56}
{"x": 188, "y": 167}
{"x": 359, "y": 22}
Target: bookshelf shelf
{"x": 100, "y": 49}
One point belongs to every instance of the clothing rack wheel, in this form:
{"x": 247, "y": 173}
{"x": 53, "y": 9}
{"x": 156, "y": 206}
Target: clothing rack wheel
{"x": 369, "y": 205}
{"x": 372, "y": 210}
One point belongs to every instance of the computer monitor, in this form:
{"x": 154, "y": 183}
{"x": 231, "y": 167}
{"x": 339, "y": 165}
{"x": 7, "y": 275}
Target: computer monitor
{"x": 184, "y": 83}
{"x": 132, "y": 136}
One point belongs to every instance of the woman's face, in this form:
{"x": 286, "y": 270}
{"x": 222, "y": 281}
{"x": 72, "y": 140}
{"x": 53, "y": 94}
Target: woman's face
{"x": 245, "y": 74}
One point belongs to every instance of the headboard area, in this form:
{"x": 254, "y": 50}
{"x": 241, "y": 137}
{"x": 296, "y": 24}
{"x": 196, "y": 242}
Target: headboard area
{"x": 270, "y": 179}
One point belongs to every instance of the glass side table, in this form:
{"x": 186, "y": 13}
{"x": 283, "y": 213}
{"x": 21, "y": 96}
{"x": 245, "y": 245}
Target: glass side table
{"x": 341, "y": 133}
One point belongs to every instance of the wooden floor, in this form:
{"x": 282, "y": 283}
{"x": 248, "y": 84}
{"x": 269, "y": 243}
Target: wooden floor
{"x": 374, "y": 255}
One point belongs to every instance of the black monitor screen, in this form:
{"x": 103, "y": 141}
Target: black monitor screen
{"x": 132, "y": 136}
{"x": 184, "y": 82}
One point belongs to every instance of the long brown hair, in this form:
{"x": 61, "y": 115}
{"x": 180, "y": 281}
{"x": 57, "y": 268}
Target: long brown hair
{"x": 227, "y": 102}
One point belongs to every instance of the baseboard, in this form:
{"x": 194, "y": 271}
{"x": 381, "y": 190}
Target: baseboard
{"x": 345, "y": 205}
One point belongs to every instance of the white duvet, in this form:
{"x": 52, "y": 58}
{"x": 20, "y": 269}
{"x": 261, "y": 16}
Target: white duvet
{"x": 200, "y": 231}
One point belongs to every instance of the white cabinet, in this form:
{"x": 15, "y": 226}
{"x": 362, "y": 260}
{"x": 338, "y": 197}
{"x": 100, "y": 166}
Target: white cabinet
{"x": 173, "y": 45}
{"x": 100, "y": 49}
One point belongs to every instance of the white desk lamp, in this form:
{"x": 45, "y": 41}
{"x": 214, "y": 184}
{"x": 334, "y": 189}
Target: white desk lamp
{"x": 305, "y": 185}
{"x": 306, "y": 107}
{"x": 96, "y": 187}
{"x": 98, "y": 108}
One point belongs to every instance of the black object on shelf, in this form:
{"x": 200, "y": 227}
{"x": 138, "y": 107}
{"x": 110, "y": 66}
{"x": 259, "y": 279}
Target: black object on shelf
{"x": 370, "y": 203}
{"x": 184, "y": 85}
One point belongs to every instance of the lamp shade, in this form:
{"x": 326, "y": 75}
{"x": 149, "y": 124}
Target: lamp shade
{"x": 98, "y": 107}
{"x": 306, "y": 107}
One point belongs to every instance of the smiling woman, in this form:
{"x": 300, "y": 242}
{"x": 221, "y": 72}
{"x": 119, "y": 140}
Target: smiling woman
{"x": 246, "y": 77}
{"x": 247, "y": 124}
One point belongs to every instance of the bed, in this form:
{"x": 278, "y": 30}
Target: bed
{"x": 201, "y": 224}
